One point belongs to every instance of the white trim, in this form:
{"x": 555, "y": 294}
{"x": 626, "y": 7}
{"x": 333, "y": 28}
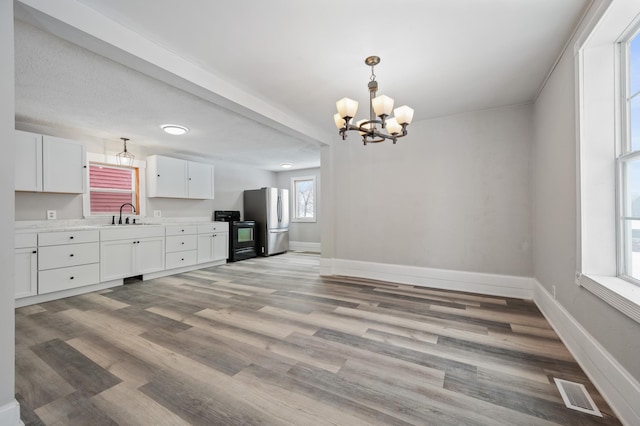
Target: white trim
{"x": 304, "y": 246}
{"x": 473, "y": 282}
{"x": 141, "y": 165}
{"x": 617, "y": 386}
{"x": 617, "y": 292}
{"x": 294, "y": 207}
{"x": 10, "y": 414}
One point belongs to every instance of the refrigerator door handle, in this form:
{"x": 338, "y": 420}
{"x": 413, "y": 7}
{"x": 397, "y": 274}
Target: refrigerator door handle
{"x": 279, "y": 208}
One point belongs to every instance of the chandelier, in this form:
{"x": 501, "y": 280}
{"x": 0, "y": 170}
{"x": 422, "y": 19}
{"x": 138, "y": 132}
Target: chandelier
{"x": 380, "y": 107}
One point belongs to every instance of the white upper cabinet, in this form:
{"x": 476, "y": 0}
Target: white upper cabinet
{"x": 64, "y": 165}
{"x": 28, "y": 164}
{"x": 174, "y": 178}
{"x": 200, "y": 183}
{"x": 49, "y": 164}
{"x": 166, "y": 177}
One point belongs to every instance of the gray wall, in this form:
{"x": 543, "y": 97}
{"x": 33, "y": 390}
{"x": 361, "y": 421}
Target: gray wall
{"x": 453, "y": 194}
{"x": 554, "y": 190}
{"x": 7, "y": 117}
{"x": 308, "y": 232}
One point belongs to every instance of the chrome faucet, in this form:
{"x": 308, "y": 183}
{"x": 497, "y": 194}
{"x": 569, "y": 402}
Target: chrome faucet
{"x": 132, "y": 208}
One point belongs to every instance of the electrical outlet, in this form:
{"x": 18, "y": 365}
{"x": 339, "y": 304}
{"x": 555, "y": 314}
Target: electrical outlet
{"x": 553, "y": 289}
{"x": 51, "y": 214}
{"x": 157, "y": 213}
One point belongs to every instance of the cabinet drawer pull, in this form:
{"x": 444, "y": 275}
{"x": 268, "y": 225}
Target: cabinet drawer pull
{"x": 71, "y": 278}
{"x": 34, "y": 252}
{"x": 71, "y": 237}
{"x": 182, "y": 259}
{"x": 71, "y": 255}
{"x": 182, "y": 243}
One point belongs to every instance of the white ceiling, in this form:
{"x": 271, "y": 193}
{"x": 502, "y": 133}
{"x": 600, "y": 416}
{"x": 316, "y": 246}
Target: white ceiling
{"x": 440, "y": 57}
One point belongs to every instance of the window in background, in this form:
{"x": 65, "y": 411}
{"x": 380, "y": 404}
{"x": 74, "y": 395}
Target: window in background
{"x": 303, "y": 191}
{"x": 628, "y": 163}
{"x": 112, "y": 186}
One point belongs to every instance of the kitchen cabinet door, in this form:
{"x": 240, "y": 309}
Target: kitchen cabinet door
{"x": 28, "y": 170}
{"x": 150, "y": 255}
{"x": 221, "y": 246}
{"x": 213, "y": 247}
{"x": 205, "y": 248}
{"x": 117, "y": 259}
{"x": 64, "y": 165}
{"x": 166, "y": 177}
{"x": 200, "y": 182}
{"x": 26, "y": 272}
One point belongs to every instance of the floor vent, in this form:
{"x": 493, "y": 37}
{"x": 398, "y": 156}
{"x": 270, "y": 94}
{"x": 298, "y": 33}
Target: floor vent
{"x": 576, "y": 397}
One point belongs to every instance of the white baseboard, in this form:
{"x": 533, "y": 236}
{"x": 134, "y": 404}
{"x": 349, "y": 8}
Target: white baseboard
{"x": 473, "y": 282}
{"x": 617, "y": 386}
{"x": 10, "y": 414}
{"x": 304, "y": 246}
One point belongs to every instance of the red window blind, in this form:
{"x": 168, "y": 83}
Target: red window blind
{"x": 109, "y": 177}
{"x": 110, "y": 187}
{"x": 109, "y": 202}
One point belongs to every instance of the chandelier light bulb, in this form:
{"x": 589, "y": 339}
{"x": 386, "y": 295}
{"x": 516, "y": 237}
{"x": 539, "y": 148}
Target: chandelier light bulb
{"x": 403, "y": 114}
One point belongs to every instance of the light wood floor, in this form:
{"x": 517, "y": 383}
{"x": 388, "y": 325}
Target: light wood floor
{"x": 267, "y": 341}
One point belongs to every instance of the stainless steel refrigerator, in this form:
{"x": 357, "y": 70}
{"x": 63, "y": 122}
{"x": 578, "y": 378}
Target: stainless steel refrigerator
{"x": 269, "y": 208}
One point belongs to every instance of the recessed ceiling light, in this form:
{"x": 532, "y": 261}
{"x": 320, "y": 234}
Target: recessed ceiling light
{"x": 174, "y": 129}
{"x": 286, "y": 165}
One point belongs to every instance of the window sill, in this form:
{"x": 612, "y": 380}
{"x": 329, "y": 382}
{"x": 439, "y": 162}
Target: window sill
{"x": 620, "y": 294}
{"x": 303, "y": 220}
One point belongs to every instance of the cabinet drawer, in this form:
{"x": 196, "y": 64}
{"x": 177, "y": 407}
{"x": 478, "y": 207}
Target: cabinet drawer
{"x": 68, "y": 255}
{"x": 181, "y": 243}
{"x": 181, "y": 229}
{"x": 181, "y": 258}
{"x": 25, "y": 240}
{"x": 66, "y": 278}
{"x": 68, "y": 237}
{"x": 213, "y": 227}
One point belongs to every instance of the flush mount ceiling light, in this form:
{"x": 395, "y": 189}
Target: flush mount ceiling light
{"x": 286, "y": 165}
{"x": 379, "y": 106}
{"x": 125, "y": 158}
{"x": 174, "y": 129}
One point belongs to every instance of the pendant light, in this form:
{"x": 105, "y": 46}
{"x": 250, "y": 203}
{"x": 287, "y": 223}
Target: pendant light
{"x": 125, "y": 158}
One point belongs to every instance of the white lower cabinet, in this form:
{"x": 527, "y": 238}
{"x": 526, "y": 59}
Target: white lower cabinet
{"x": 67, "y": 260}
{"x": 26, "y": 265}
{"x": 213, "y": 242}
{"x": 50, "y": 262}
{"x": 127, "y": 251}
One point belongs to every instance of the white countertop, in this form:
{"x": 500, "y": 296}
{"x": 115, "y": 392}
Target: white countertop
{"x": 99, "y": 223}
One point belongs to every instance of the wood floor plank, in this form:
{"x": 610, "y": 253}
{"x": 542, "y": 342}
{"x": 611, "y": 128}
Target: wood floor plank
{"x": 268, "y": 341}
{"x": 140, "y": 408}
{"x": 75, "y": 368}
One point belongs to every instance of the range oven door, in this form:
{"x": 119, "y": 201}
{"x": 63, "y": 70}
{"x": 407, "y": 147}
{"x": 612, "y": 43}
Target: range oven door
{"x": 243, "y": 240}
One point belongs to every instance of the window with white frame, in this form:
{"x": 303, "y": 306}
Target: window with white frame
{"x": 609, "y": 156}
{"x": 628, "y": 162}
{"x": 303, "y": 192}
{"x": 112, "y": 186}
